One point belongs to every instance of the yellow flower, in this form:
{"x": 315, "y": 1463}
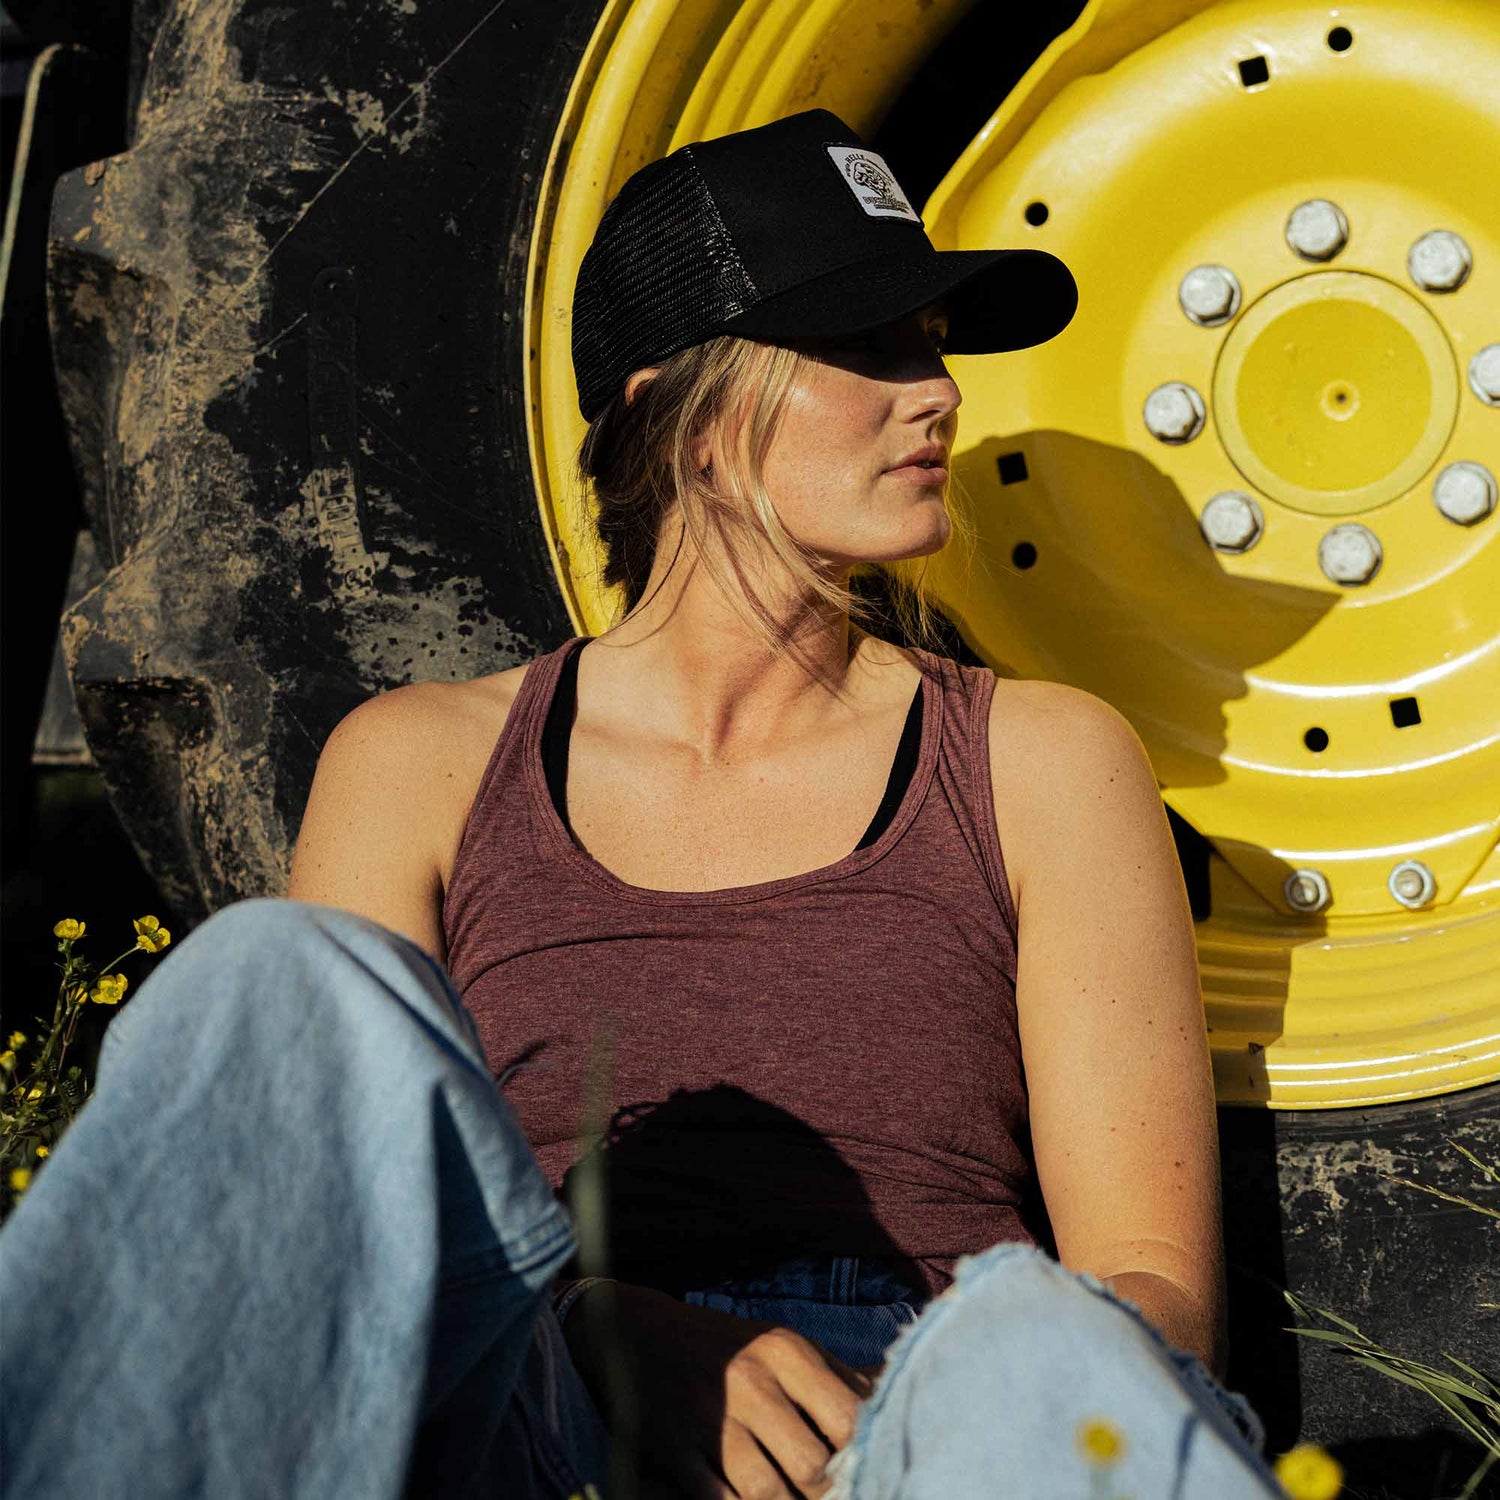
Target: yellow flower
{"x": 1100, "y": 1442}
{"x": 43, "y": 1151}
{"x": 36, "y": 1093}
{"x": 70, "y": 929}
{"x": 17, "y": 1039}
{"x": 1308, "y": 1472}
{"x": 20, "y": 1178}
{"x": 151, "y": 935}
{"x": 109, "y": 989}
{"x": 7, "y": 1060}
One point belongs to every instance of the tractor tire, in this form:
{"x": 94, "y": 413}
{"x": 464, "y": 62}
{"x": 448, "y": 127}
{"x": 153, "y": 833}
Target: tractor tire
{"x": 287, "y": 326}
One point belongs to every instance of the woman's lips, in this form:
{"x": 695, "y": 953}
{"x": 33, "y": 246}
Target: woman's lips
{"x": 920, "y": 473}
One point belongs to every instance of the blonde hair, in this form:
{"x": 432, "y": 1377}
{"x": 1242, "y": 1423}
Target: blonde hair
{"x": 638, "y": 458}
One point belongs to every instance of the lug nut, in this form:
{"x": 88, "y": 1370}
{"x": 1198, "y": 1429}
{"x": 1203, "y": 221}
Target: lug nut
{"x": 1307, "y": 890}
{"x": 1464, "y": 492}
{"x": 1412, "y": 883}
{"x": 1350, "y": 553}
{"x": 1317, "y": 229}
{"x": 1231, "y": 522}
{"x": 1175, "y": 413}
{"x": 1209, "y": 295}
{"x": 1439, "y": 261}
{"x": 1484, "y": 374}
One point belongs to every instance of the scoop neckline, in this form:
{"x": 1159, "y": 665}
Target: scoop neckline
{"x": 573, "y": 853}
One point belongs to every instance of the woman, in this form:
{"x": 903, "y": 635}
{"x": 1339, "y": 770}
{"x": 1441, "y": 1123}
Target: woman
{"x": 730, "y": 874}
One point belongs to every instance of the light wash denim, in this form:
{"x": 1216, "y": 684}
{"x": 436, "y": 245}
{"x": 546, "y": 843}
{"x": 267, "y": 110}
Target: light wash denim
{"x": 296, "y": 1245}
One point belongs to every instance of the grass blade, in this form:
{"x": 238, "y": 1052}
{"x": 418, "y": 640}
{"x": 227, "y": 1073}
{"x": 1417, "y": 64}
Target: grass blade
{"x": 1479, "y": 1376}
{"x": 1472, "y": 1487}
{"x": 1493, "y": 1173}
{"x": 1423, "y": 1187}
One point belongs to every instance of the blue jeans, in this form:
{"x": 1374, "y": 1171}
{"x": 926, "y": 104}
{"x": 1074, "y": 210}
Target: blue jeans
{"x": 296, "y": 1245}
{"x": 851, "y": 1307}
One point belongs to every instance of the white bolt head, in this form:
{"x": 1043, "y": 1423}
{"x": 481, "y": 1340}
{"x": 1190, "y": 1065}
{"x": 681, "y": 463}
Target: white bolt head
{"x": 1175, "y": 412}
{"x": 1209, "y": 295}
{"x": 1484, "y": 374}
{"x": 1350, "y": 553}
{"x": 1412, "y": 883}
{"x": 1439, "y": 261}
{"x": 1317, "y": 229}
{"x": 1231, "y": 522}
{"x": 1307, "y": 890}
{"x": 1464, "y": 492}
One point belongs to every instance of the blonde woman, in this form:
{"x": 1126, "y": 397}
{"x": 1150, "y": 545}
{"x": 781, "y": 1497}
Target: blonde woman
{"x": 876, "y": 971}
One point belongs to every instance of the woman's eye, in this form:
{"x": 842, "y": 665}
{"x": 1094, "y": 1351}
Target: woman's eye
{"x": 939, "y": 338}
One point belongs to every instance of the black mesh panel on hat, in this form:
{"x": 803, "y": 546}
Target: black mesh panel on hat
{"x": 661, "y": 274}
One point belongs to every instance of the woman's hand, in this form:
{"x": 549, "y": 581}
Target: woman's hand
{"x": 727, "y": 1406}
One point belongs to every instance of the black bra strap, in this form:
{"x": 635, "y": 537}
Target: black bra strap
{"x": 556, "y": 732}
{"x": 903, "y": 768}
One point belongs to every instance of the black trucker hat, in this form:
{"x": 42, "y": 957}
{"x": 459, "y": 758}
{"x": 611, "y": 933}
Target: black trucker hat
{"x": 791, "y": 230}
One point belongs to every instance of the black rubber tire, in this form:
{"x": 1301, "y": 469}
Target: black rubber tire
{"x": 287, "y": 329}
{"x": 1309, "y": 1205}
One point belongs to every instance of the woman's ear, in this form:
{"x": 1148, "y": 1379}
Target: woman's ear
{"x": 703, "y": 452}
{"x": 639, "y": 378}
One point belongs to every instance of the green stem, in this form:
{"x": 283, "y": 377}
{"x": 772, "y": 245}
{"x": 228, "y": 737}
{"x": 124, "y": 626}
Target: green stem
{"x": 47, "y": 1068}
{"x": 133, "y": 948}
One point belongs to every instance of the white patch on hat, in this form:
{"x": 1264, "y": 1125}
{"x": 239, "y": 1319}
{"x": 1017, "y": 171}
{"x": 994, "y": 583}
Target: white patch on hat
{"x": 873, "y": 183}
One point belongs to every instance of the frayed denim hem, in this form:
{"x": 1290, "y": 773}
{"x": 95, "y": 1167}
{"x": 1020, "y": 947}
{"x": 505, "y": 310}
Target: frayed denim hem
{"x": 1228, "y": 1411}
{"x": 1237, "y": 1408}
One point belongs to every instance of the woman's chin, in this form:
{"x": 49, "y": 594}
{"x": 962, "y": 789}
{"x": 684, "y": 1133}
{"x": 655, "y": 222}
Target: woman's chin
{"x": 930, "y": 536}
{"x": 924, "y": 529}
{"x": 935, "y": 540}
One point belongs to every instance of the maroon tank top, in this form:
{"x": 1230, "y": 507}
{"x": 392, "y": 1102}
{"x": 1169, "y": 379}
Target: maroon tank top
{"x": 827, "y": 1063}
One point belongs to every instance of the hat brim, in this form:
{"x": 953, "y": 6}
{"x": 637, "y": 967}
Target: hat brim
{"x": 997, "y": 300}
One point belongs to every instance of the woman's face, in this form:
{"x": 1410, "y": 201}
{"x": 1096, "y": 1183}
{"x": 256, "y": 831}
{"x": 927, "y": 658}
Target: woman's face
{"x": 859, "y": 463}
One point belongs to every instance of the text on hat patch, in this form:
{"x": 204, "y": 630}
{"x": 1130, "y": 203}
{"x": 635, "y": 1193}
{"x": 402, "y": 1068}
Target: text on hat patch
{"x": 872, "y": 183}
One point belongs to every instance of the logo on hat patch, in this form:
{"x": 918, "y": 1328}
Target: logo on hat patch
{"x": 872, "y": 183}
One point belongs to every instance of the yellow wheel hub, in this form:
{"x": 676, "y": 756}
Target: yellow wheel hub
{"x": 1305, "y": 639}
{"x": 1335, "y": 392}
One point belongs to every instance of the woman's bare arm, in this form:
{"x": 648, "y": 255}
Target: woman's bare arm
{"x": 369, "y": 836}
{"x": 1111, "y": 1012}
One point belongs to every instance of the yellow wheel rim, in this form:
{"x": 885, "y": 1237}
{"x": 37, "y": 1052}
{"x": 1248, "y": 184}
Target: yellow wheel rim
{"x": 1311, "y": 728}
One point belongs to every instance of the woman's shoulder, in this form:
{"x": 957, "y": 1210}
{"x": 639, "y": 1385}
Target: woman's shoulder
{"x": 434, "y": 712}
{"x": 435, "y": 735}
{"x": 1064, "y": 765}
{"x": 1025, "y": 710}
{"x": 480, "y": 699}
{"x": 446, "y": 731}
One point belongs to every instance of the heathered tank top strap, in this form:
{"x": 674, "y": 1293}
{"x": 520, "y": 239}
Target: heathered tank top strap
{"x": 825, "y": 1063}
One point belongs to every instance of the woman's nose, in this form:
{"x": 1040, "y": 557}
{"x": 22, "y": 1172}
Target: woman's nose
{"x": 937, "y": 395}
